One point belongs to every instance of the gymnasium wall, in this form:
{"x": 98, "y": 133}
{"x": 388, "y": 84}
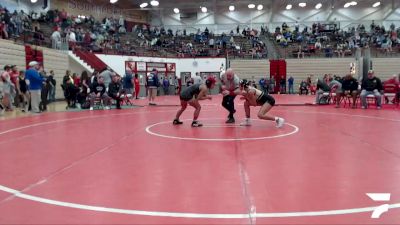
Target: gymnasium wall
{"x": 193, "y": 65}
{"x": 385, "y": 67}
{"x": 300, "y": 68}
{"x": 11, "y": 54}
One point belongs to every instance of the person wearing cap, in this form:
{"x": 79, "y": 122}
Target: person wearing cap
{"x": 35, "y": 85}
{"x": 371, "y": 85}
{"x": 152, "y": 83}
{"x": 230, "y": 88}
{"x": 191, "y": 96}
{"x": 255, "y": 97}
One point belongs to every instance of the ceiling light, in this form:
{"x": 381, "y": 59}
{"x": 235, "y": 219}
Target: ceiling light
{"x": 231, "y": 8}
{"x": 113, "y": 1}
{"x": 204, "y": 9}
{"x": 154, "y": 3}
{"x": 347, "y": 5}
{"x": 318, "y": 6}
{"x": 144, "y": 4}
{"x": 260, "y": 7}
{"x": 376, "y": 4}
{"x": 302, "y": 4}
{"x": 33, "y": 1}
{"x": 288, "y": 7}
{"x": 251, "y": 6}
{"x": 176, "y": 10}
{"x": 353, "y": 3}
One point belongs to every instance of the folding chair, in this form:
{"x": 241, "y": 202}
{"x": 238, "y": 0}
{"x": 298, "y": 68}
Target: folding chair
{"x": 98, "y": 103}
{"x": 126, "y": 98}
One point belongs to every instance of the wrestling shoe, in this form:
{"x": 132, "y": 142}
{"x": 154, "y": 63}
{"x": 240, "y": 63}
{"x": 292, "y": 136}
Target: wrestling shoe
{"x": 177, "y": 122}
{"x": 279, "y": 122}
{"x": 246, "y": 122}
{"x": 230, "y": 120}
{"x": 196, "y": 124}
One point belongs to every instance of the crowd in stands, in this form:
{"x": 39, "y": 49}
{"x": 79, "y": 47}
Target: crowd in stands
{"x": 14, "y": 25}
{"x": 114, "y": 34}
{"x": 332, "y": 41}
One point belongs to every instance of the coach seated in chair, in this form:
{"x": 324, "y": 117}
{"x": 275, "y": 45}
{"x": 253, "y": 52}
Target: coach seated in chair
{"x": 349, "y": 88}
{"x": 303, "y": 87}
{"x": 114, "y": 90}
{"x": 98, "y": 91}
{"x": 371, "y": 86}
{"x": 322, "y": 87}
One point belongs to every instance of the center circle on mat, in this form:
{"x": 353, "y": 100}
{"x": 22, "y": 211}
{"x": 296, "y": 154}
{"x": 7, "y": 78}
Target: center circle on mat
{"x": 275, "y": 132}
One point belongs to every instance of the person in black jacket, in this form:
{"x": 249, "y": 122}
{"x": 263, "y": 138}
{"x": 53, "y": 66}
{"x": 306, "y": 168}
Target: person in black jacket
{"x": 70, "y": 93}
{"x": 98, "y": 90}
{"x": 371, "y": 86}
{"x": 114, "y": 90}
{"x": 349, "y": 87}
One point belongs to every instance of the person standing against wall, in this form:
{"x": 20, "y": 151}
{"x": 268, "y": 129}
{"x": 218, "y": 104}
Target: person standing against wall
{"x": 35, "y": 85}
{"x": 166, "y": 86}
{"x": 136, "y": 83}
{"x": 128, "y": 84}
{"x": 291, "y": 83}
{"x": 52, "y": 90}
{"x": 152, "y": 84}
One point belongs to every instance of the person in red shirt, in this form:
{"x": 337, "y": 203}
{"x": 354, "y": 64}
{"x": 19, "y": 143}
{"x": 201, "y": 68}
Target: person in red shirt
{"x": 77, "y": 80}
{"x": 136, "y": 84}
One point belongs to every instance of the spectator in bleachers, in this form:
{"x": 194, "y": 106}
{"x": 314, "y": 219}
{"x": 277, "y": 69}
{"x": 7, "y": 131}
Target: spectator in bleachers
{"x": 56, "y": 38}
{"x": 371, "y": 86}
{"x": 35, "y": 85}
{"x": 318, "y": 45}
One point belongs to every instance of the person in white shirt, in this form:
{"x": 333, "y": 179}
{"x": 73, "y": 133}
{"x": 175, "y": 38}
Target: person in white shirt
{"x": 56, "y": 39}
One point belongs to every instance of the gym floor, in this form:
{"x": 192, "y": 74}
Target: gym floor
{"x": 133, "y": 166}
